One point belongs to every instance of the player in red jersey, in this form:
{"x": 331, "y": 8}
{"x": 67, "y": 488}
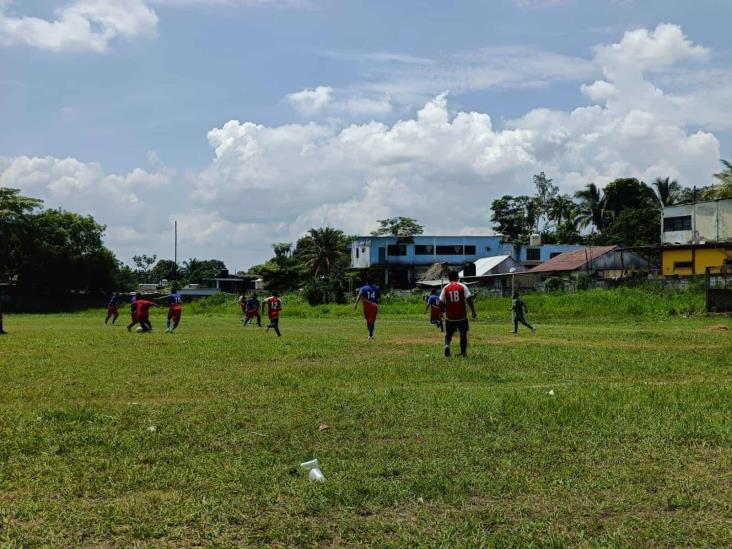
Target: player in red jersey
{"x": 274, "y": 306}
{"x": 455, "y": 296}
{"x": 142, "y": 313}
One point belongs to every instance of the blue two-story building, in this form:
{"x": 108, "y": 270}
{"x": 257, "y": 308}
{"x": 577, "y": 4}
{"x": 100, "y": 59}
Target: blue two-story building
{"x": 404, "y": 259}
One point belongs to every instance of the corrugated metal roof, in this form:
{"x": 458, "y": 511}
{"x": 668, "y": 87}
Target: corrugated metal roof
{"x": 485, "y": 265}
{"x": 571, "y": 261}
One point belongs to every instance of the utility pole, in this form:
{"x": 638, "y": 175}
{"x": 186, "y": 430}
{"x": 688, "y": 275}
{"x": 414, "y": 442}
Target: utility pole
{"x": 175, "y": 238}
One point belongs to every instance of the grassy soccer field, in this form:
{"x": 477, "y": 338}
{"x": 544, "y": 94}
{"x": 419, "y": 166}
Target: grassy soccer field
{"x": 116, "y": 439}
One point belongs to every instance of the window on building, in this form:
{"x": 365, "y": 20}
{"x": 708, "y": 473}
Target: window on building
{"x": 357, "y": 255}
{"x": 422, "y": 249}
{"x": 487, "y": 249}
{"x": 450, "y": 250}
{"x": 554, "y": 254}
{"x": 533, "y": 254}
{"x": 682, "y": 265}
{"x": 469, "y": 250}
{"x": 397, "y": 249}
{"x": 680, "y": 223}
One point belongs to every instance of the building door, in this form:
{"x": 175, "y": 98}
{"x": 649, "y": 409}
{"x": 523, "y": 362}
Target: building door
{"x": 382, "y": 255}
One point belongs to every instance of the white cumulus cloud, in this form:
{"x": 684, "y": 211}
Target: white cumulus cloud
{"x": 80, "y": 25}
{"x": 268, "y": 184}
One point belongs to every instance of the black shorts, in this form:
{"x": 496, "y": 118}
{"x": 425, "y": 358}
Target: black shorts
{"x": 452, "y": 326}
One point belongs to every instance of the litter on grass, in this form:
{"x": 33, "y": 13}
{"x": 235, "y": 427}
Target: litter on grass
{"x": 313, "y": 469}
{"x": 323, "y": 427}
{"x": 551, "y": 392}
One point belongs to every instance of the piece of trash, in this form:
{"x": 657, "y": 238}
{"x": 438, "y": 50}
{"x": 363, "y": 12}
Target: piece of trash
{"x": 313, "y": 469}
{"x": 152, "y": 428}
{"x": 420, "y": 500}
{"x": 551, "y": 392}
{"x": 323, "y": 427}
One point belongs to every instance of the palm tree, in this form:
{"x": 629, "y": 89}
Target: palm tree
{"x": 322, "y": 251}
{"x": 561, "y": 209}
{"x": 668, "y": 191}
{"x": 591, "y": 207}
{"x": 724, "y": 189}
{"x": 725, "y": 176}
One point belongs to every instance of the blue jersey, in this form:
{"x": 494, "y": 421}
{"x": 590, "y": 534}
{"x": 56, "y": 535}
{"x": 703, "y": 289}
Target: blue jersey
{"x": 175, "y": 299}
{"x": 132, "y": 303}
{"x": 434, "y": 300}
{"x": 252, "y": 304}
{"x": 114, "y": 301}
{"x": 370, "y": 293}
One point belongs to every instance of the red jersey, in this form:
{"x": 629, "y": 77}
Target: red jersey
{"x": 455, "y": 296}
{"x": 142, "y": 308}
{"x": 274, "y": 306}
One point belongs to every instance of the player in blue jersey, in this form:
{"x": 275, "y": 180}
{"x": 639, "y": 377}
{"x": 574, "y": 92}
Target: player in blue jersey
{"x": 435, "y": 307}
{"x": 369, "y": 295}
{"x": 112, "y": 310}
{"x": 175, "y": 310}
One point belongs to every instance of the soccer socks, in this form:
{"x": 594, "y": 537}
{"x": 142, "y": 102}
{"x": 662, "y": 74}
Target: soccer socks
{"x": 370, "y": 326}
{"x": 464, "y": 345}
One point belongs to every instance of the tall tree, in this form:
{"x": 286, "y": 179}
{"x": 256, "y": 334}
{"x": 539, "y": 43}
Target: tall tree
{"x": 398, "y": 226}
{"x": 725, "y": 176}
{"x": 561, "y": 209}
{"x": 67, "y": 255}
{"x": 546, "y": 191}
{"x": 283, "y": 271}
{"x": 628, "y": 193}
{"x": 323, "y": 252}
{"x": 165, "y": 269}
{"x": 16, "y": 233}
{"x": 591, "y": 207}
{"x": 144, "y": 263}
{"x": 514, "y": 216}
{"x": 724, "y": 188}
{"x": 198, "y": 269}
{"x": 668, "y": 191}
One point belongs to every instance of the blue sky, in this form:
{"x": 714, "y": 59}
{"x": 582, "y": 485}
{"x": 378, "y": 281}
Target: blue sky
{"x": 252, "y": 120}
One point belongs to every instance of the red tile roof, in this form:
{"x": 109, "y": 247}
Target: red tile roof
{"x": 571, "y": 261}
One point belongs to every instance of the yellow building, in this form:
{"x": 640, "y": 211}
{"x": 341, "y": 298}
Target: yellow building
{"x": 696, "y": 236}
{"x": 693, "y": 260}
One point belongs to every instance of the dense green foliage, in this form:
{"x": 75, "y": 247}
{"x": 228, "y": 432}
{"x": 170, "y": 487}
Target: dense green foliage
{"x": 398, "y": 226}
{"x": 52, "y": 250}
{"x": 626, "y": 212}
{"x": 595, "y": 432}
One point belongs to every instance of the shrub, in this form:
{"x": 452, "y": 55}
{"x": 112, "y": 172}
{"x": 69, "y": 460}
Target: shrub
{"x": 584, "y": 281}
{"x": 553, "y": 284}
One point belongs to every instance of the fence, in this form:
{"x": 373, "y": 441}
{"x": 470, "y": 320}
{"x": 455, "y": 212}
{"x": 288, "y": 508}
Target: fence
{"x": 719, "y": 290}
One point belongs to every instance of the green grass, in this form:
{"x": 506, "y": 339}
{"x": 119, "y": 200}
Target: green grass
{"x": 116, "y": 439}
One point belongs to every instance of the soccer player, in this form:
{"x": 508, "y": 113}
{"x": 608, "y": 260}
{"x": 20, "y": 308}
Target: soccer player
{"x": 369, "y": 294}
{"x": 133, "y": 310}
{"x": 251, "y": 310}
{"x": 142, "y": 313}
{"x": 454, "y": 297}
{"x": 175, "y": 310}
{"x": 435, "y": 308}
{"x": 2, "y": 332}
{"x": 112, "y": 311}
{"x": 274, "y": 306}
{"x": 518, "y": 308}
